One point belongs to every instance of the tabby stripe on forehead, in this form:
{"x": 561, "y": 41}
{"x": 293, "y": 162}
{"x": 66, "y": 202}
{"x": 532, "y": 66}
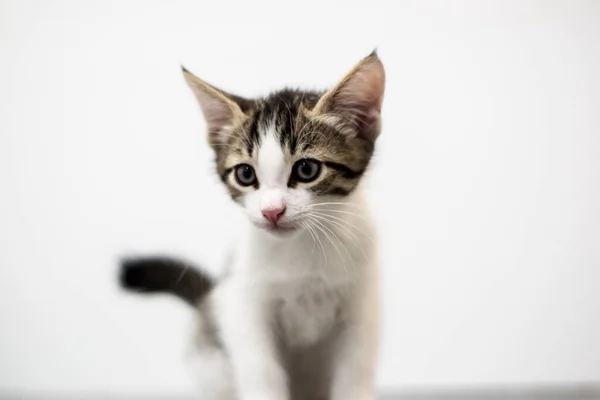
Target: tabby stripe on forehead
{"x": 253, "y": 132}
{"x": 345, "y": 171}
{"x": 293, "y": 143}
{"x": 285, "y": 127}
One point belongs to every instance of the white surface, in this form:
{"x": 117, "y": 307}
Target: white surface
{"x": 486, "y": 181}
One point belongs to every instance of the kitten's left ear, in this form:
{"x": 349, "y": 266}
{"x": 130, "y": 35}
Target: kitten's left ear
{"x": 221, "y": 110}
{"x": 356, "y": 100}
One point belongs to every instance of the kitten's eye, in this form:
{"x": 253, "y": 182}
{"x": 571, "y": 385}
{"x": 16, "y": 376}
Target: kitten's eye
{"x": 244, "y": 174}
{"x": 306, "y": 170}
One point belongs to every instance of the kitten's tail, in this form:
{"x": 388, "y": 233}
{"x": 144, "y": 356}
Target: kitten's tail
{"x": 164, "y": 275}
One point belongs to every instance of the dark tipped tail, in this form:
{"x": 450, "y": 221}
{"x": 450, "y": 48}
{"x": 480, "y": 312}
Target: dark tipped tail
{"x": 164, "y": 275}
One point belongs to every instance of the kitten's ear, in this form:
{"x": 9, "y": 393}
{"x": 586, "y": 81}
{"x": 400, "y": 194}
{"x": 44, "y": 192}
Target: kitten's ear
{"x": 356, "y": 100}
{"x": 221, "y": 110}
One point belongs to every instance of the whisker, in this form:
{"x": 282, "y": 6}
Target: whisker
{"x": 343, "y": 203}
{"x": 185, "y": 268}
{"x": 341, "y": 212}
{"x": 305, "y": 226}
{"x": 316, "y": 236}
{"x": 356, "y": 240}
{"x": 344, "y": 221}
{"x": 319, "y": 228}
{"x": 338, "y": 239}
{"x": 332, "y": 243}
{"x": 320, "y": 243}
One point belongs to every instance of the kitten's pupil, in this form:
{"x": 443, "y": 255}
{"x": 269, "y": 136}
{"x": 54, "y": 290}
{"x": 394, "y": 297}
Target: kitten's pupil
{"x": 246, "y": 173}
{"x": 306, "y": 169}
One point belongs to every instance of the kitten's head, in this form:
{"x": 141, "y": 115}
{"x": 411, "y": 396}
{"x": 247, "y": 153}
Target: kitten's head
{"x": 283, "y": 155}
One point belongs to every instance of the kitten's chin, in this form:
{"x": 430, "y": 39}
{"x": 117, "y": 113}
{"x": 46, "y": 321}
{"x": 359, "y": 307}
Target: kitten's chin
{"x": 280, "y": 231}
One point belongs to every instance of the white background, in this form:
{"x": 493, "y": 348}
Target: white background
{"x": 485, "y": 185}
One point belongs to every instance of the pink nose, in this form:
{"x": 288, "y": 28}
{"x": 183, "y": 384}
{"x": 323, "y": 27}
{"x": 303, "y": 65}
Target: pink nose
{"x": 273, "y": 214}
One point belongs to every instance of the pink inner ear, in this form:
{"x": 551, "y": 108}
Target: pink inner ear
{"x": 219, "y": 109}
{"x": 216, "y": 112}
{"x": 367, "y": 86}
{"x": 359, "y": 99}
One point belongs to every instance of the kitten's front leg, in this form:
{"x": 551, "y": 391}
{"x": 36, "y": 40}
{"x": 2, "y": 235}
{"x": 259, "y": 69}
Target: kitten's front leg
{"x": 249, "y": 339}
{"x": 353, "y": 375}
{"x": 355, "y": 353}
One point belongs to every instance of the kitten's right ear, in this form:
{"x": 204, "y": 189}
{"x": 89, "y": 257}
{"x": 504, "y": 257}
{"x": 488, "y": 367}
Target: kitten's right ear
{"x": 221, "y": 110}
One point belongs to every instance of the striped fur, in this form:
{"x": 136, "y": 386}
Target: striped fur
{"x": 333, "y": 127}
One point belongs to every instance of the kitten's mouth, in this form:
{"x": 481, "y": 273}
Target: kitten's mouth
{"x": 280, "y": 229}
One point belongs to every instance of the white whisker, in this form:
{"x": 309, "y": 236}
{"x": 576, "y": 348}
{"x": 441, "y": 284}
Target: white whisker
{"x": 356, "y": 240}
{"x": 332, "y": 243}
{"x": 342, "y": 220}
{"x": 341, "y": 212}
{"x": 334, "y": 203}
{"x": 316, "y": 236}
{"x": 305, "y": 226}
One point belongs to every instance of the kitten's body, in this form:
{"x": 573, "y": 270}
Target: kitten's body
{"x": 310, "y": 302}
{"x": 296, "y": 315}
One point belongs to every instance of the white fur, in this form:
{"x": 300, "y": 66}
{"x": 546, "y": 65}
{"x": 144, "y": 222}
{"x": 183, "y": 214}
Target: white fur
{"x": 297, "y": 314}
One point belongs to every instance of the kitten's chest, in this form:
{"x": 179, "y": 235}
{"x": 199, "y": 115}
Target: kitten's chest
{"x": 307, "y": 311}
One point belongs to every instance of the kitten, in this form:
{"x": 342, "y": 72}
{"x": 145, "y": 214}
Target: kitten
{"x": 296, "y": 316}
